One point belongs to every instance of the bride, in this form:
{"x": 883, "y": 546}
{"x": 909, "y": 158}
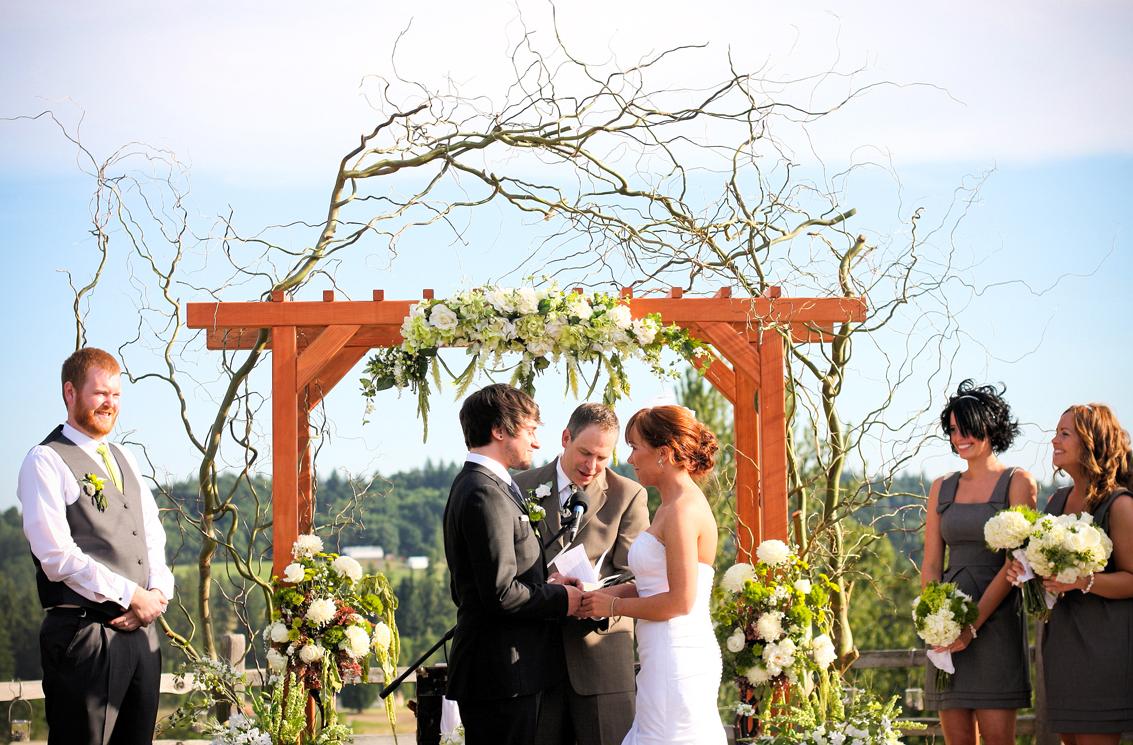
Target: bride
{"x": 672, "y": 565}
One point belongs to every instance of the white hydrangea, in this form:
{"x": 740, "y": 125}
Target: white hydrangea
{"x": 311, "y": 653}
{"x": 347, "y": 566}
{"x": 803, "y": 586}
{"x": 769, "y": 626}
{"x": 383, "y": 636}
{"x": 773, "y": 552}
{"x": 757, "y": 675}
{"x": 441, "y": 317}
{"x": 277, "y": 632}
{"x": 736, "y": 642}
{"x": 540, "y": 347}
{"x": 293, "y": 573}
{"x": 357, "y": 642}
{"x": 578, "y": 305}
{"x": 940, "y": 628}
{"x": 321, "y": 611}
{"x": 736, "y": 576}
{"x": 276, "y": 660}
{"x": 306, "y": 545}
{"x": 822, "y": 649}
{"x": 1007, "y": 529}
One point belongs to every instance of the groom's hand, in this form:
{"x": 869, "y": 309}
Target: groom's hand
{"x": 561, "y": 579}
{"x": 574, "y": 599}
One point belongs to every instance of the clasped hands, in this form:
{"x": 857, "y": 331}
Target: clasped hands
{"x": 582, "y": 603}
{"x": 145, "y": 607}
{"x": 1051, "y": 585}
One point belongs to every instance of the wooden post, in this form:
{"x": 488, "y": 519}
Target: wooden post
{"x": 232, "y": 648}
{"x": 285, "y": 438}
{"x": 773, "y": 436}
{"x": 749, "y": 510}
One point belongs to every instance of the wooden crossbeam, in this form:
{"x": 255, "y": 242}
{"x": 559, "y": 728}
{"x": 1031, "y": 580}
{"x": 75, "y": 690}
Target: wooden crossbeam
{"x": 325, "y": 346}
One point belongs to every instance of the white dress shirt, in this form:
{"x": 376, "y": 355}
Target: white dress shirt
{"x": 563, "y": 483}
{"x": 46, "y": 488}
{"x": 494, "y": 466}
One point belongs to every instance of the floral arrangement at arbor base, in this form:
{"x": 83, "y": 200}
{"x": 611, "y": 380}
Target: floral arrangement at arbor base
{"x": 1009, "y": 530}
{"x": 773, "y": 620}
{"x": 330, "y": 621}
{"x": 540, "y": 325}
{"x": 940, "y": 613}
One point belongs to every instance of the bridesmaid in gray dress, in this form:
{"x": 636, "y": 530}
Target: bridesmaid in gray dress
{"x": 1088, "y": 642}
{"x": 992, "y": 678}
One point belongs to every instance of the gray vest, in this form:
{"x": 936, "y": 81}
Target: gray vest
{"x": 115, "y": 538}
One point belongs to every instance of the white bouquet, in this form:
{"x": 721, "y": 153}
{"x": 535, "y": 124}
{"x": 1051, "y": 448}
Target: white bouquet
{"x": 940, "y": 613}
{"x": 1010, "y": 530}
{"x": 1067, "y": 548}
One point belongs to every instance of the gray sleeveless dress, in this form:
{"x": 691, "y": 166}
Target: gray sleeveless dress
{"x": 1087, "y": 651}
{"x": 993, "y": 672}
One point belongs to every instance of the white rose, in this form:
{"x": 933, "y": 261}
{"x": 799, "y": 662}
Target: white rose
{"x": 307, "y": 545}
{"x": 803, "y": 586}
{"x": 347, "y": 566}
{"x": 736, "y": 642}
{"x": 321, "y": 611}
{"x": 822, "y": 648}
{"x": 1068, "y": 575}
{"x": 736, "y": 576}
{"x": 311, "y": 653}
{"x": 769, "y": 627}
{"x": 498, "y": 299}
{"x": 293, "y": 573}
{"x": 276, "y": 660}
{"x": 621, "y": 317}
{"x": 357, "y": 642}
{"x": 773, "y": 552}
{"x": 383, "y": 636}
{"x": 526, "y": 301}
{"x": 540, "y": 347}
{"x": 277, "y": 632}
{"x": 441, "y": 317}
{"x": 543, "y": 490}
{"x": 645, "y": 329}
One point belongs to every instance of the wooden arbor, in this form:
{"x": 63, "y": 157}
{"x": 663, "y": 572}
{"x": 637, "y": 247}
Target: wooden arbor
{"x": 315, "y": 344}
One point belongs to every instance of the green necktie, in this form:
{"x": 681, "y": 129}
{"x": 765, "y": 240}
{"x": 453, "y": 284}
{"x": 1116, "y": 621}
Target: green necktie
{"x": 110, "y": 469}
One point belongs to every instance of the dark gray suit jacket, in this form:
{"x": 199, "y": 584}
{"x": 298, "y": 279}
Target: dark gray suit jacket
{"x": 598, "y": 661}
{"x": 507, "y": 640}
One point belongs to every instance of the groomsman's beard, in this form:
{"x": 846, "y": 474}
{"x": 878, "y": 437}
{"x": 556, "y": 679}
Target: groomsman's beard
{"x": 91, "y": 423}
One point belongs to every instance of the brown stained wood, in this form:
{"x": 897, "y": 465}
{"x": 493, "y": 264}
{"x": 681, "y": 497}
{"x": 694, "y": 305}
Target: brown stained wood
{"x": 367, "y": 337}
{"x": 749, "y": 528}
{"x": 626, "y": 293}
{"x": 321, "y": 351}
{"x": 304, "y": 486}
{"x": 723, "y": 292}
{"x": 285, "y": 458}
{"x": 328, "y": 296}
{"x": 278, "y": 296}
{"x": 333, "y": 372}
{"x": 676, "y": 292}
{"x": 750, "y": 310}
{"x": 732, "y": 344}
{"x": 379, "y": 296}
{"x": 773, "y": 437}
{"x": 296, "y": 313}
{"x": 723, "y": 378}
{"x": 427, "y": 294}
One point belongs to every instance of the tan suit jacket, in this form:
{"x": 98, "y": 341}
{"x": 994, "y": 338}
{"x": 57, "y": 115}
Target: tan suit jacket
{"x": 597, "y": 661}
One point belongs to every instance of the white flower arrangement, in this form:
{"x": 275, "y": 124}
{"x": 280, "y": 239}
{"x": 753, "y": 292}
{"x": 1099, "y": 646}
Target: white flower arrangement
{"x": 348, "y": 566}
{"x": 306, "y": 546}
{"x": 1068, "y": 547}
{"x": 766, "y": 617}
{"x": 321, "y": 611}
{"x": 940, "y": 614}
{"x": 540, "y": 326}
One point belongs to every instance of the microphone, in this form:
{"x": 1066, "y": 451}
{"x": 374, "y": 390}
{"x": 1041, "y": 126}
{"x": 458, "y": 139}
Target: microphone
{"x": 578, "y": 503}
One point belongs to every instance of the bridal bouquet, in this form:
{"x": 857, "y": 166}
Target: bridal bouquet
{"x": 1067, "y": 548}
{"x": 1009, "y": 530}
{"x": 766, "y": 615}
{"x": 940, "y": 613}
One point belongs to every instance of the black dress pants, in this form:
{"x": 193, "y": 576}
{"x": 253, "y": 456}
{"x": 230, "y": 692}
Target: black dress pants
{"x": 100, "y": 685}
{"x": 500, "y": 721}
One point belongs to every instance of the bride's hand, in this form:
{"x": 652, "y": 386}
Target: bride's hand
{"x": 595, "y": 605}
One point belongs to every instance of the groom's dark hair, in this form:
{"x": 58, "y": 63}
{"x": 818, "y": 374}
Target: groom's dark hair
{"x": 495, "y": 406}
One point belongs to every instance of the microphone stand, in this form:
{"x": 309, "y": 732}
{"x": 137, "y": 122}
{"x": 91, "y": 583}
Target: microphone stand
{"x": 396, "y": 682}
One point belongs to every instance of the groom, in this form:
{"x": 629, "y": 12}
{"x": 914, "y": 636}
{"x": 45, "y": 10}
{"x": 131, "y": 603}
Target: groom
{"x": 507, "y": 648}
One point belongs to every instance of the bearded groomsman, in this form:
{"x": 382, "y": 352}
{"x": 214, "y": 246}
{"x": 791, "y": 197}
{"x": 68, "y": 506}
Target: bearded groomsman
{"x": 596, "y": 704}
{"x": 99, "y": 553}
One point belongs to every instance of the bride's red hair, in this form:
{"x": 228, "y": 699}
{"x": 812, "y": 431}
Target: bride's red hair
{"x": 692, "y": 446}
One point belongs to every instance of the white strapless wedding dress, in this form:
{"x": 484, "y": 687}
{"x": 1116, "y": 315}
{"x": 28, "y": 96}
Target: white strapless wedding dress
{"x": 680, "y": 661}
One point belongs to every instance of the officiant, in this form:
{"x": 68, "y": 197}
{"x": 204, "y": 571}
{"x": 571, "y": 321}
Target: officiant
{"x": 595, "y": 705}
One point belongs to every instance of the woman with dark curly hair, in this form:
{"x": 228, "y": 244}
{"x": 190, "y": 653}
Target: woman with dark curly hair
{"x": 1088, "y": 642}
{"x": 672, "y": 562}
{"x": 992, "y": 678}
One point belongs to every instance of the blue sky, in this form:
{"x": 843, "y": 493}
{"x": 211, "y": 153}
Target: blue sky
{"x": 262, "y": 103}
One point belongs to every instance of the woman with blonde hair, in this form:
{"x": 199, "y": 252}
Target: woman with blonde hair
{"x": 672, "y": 565}
{"x": 1088, "y": 642}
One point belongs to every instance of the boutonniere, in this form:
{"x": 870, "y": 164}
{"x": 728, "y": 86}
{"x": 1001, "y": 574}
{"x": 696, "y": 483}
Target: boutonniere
{"x": 92, "y": 486}
{"x": 535, "y": 511}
